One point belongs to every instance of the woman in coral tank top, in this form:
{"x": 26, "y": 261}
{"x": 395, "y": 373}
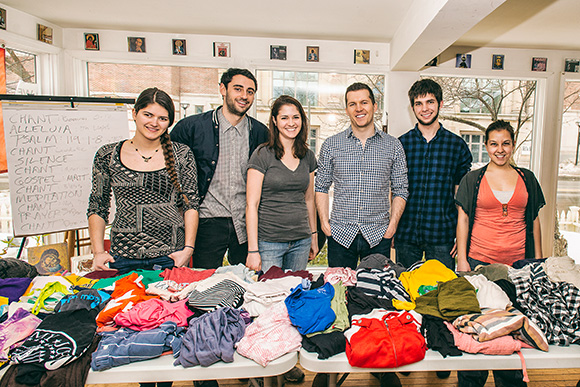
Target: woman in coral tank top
{"x": 498, "y": 207}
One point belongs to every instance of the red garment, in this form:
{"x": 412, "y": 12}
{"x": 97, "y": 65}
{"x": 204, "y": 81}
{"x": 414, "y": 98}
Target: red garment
{"x": 276, "y": 272}
{"x": 152, "y": 313}
{"x": 128, "y": 291}
{"x": 389, "y": 342}
{"x": 185, "y": 275}
{"x": 499, "y": 231}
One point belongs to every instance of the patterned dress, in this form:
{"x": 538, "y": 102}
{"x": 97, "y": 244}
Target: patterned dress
{"x": 149, "y": 211}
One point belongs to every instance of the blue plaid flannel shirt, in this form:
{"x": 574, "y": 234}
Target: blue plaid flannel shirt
{"x": 435, "y": 168}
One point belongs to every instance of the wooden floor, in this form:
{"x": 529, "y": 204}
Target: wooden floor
{"x": 538, "y": 378}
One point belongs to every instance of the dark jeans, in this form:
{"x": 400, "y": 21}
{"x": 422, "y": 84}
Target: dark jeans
{"x": 215, "y": 236}
{"x": 340, "y": 256}
{"x": 502, "y": 378}
{"x": 409, "y": 253}
{"x": 125, "y": 265}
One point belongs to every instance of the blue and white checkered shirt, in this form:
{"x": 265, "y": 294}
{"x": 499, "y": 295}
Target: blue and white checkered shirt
{"x": 362, "y": 179}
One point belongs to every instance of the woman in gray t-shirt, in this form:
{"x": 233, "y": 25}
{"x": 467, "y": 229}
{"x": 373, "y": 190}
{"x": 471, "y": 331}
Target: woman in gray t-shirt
{"x": 280, "y": 210}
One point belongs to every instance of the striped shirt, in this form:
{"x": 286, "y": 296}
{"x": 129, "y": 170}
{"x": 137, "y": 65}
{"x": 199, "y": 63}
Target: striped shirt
{"x": 362, "y": 178}
{"x": 435, "y": 168}
{"x": 226, "y": 196}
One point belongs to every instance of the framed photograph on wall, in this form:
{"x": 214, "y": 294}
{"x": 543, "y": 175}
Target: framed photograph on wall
{"x": 49, "y": 259}
{"x": 178, "y": 47}
{"x": 278, "y": 52}
{"x": 136, "y": 44}
{"x": 44, "y": 33}
{"x": 497, "y": 62}
{"x": 539, "y": 64}
{"x": 572, "y": 65}
{"x": 463, "y": 61}
{"x": 2, "y": 18}
{"x": 221, "y": 49}
{"x": 362, "y": 56}
{"x": 91, "y": 41}
{"x": 312, "y": 54}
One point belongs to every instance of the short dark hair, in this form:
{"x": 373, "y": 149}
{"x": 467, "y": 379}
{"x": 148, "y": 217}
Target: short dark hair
{"x": 154, "y": 95}
{"x": 359, "y": 86}
{"x": 500, "y": 125}
{"x": 232, "y": 72}
{"x": 424, "y": 87}
{"x": 300, "y": 147}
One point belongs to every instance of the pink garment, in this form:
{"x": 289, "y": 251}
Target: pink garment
{"x": 504, "y": 345}
{"x": 270, "y": 336}
{"x": 152, "y": 313}
{"x": 344, "y": 274}
{"x": 15, "y": 329}
{"x": 185, "y": 275}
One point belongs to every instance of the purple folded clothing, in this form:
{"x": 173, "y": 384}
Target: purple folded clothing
{"x": 14, "y": 288}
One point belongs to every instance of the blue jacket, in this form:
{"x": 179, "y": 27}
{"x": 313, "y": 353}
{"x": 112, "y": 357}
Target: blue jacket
{"x": 201, "y": 133}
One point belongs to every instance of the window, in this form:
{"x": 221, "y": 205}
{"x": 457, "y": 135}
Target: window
{"x": 567, "y": 237}
{"x": 471, "y": 104}
{"x": 324, "y": 94}
{"x": 476, "y": 144}
{"x": 301, "y": 85}
{"x": 20, "y": 71}
{"x": 312, "y": 138}
{"x": 192, "y": 88}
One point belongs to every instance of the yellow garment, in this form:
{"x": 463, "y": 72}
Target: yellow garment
{"x": 83, "y": 282}
{"x": 430, "y": 273}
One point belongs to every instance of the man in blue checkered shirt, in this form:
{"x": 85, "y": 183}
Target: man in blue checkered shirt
{"x": 365, "y": 164}
{"x": 437, "y": 160}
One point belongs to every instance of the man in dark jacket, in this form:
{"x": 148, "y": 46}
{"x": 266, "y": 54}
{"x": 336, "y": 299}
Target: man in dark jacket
{"x": 229, "y": 135}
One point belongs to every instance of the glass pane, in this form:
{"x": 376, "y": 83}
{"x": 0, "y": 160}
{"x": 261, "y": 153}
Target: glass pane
{"x": 20, "y": 67}
{"x": 490, "y": 98}
{"x": 567, "y": 236}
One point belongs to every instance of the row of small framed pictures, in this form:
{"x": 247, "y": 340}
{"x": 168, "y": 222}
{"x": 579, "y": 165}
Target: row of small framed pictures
{"x": 497, "y": 63}
{"x": 137, "y": 44}
{"x": 220, "y": 49}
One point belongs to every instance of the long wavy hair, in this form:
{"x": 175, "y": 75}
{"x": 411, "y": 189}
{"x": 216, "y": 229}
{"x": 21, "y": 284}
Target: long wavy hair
{"x": 154, "y": 95}
{"x": 300, "y": 146}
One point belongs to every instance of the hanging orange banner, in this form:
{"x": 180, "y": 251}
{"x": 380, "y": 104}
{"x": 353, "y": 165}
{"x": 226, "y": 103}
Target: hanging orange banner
{"x": 3, "y": 164}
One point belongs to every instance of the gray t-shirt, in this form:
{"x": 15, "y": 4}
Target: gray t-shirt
{"x": 282, "y": 214}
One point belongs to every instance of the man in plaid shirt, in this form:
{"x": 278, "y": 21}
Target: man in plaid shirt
{"x": 437, "y": 160}
{"x": 365, "y": 164}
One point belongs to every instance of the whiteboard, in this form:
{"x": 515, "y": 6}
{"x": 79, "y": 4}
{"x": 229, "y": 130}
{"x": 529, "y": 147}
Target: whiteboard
{"x": 50, "y": 153}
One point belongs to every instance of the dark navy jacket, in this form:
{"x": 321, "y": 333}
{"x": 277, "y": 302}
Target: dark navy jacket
{"x": 201, "y": 133}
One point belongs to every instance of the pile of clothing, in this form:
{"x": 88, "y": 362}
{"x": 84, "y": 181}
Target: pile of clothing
{"x": 54, "y": 328}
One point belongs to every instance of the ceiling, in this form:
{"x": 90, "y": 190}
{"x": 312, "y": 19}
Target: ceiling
{"x": 541, "y": 24}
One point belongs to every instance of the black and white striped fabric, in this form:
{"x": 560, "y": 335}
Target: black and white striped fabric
{"x": 553, "y": 306}
{"x": 381, "y": 284}
{"x": 224, "y": 293}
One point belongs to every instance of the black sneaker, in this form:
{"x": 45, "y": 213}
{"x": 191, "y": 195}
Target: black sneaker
{"x": 320, "y": 380}
{"x": 295, "y": 375}
{"x": 390, "y": 379}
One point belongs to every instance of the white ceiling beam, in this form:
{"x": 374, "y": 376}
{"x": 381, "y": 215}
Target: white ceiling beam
{"x": 431, "y": 26}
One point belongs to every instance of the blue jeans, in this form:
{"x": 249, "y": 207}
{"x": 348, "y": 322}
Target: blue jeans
{"x": 126, "y": 265}
{"x": 473, "y": 263}
{"x": 287, "y": 255}
{"x": 409, "y": 253}
{"x": 340, "y": 256}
